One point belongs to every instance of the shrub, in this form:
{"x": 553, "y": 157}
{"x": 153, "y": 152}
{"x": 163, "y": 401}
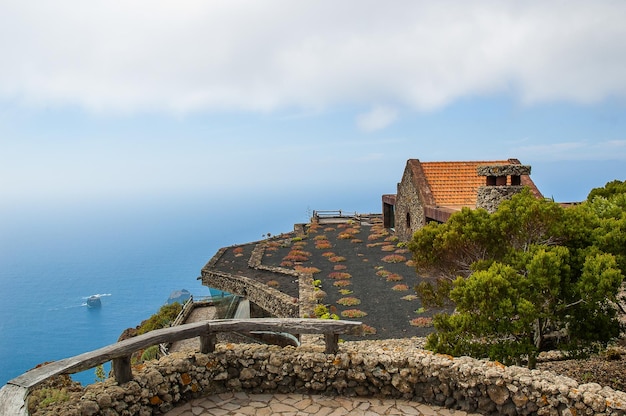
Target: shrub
{"x": 328, "y": 254}
{"x": 150, "y": 353}
{"x": 356, "y": 241}
{"x": 353, "y": 313}
{"x": 320, "y": 237}
{"x": 342, "y": 283}
{"x": 286, "y": 263}
{"x": 388, "y": 248}
{"x": 338, "y": 267}
{"x": 400, "y": 288}
{"x": 161, "y": 319}
{"x": 345, "y": 292}
{"x": 349, "y": 301}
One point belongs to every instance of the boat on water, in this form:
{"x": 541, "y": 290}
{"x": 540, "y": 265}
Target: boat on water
{"x": 94, "y": 301}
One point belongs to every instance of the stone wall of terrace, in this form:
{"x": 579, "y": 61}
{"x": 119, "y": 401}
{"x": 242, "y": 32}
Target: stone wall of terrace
{"x": 391, "y": 368}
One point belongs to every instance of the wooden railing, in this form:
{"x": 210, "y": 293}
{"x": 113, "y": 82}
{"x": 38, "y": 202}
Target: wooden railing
{"x": 13, "y": 394}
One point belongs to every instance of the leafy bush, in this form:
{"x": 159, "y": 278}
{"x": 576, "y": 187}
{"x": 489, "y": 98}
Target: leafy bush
{"x": 162, "y": 319}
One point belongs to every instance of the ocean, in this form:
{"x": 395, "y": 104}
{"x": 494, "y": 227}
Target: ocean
{"x": 132, "y": 252}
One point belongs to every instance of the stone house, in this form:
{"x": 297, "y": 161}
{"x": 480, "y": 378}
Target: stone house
{"x": 432, "y": 191}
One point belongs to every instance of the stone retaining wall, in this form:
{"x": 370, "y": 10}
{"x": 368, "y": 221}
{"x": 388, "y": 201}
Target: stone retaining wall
{"x": 390, "y": 368}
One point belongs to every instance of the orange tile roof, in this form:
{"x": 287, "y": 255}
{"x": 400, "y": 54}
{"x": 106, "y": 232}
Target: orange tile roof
{"x": 455, "y": 183}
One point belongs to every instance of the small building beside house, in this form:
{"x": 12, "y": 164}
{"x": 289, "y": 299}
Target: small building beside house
{"x": 432, "y": 191}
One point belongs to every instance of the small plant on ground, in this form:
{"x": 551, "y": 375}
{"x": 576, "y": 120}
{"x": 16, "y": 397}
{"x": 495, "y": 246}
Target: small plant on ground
{"x": 368, "y": 330}
{"x": 383, "y": 273}
{"x": 328, "y": 254}
{"x": 388, "y": 248}
{"x": 317, "y": 284}
{"x": 356, "y": 241}
{"x": 422, "y": 322}
{"x": 394, "y": 277}
{"x": 342, "y": 283}
{"x": 349, "y": 301}
{"x": 353, "y": 313}
{"x": 338, "y": 267}
{"x": 400, "y": 288}
{"x": 273, "y": 283}
{"x": 320, "y": 310}
{"x": 345, "y": 292}
{"x": 286, "y": 264}
{"x": 336, "y": 259}
{"x": 409, "y": 297}
{"x": 394, "y": 258}
{"x": 339, "y": 275}
{"x": 238, "y": 251}
{"x": 323, "y": 245}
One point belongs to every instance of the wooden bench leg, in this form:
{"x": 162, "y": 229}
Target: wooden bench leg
{"x": 122, "y": 370}
{"x": 332, "y": 343}
{"x": 207, "y": 343}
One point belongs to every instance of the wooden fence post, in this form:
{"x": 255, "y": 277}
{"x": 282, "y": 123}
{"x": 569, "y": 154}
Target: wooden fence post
{"x": 207, "y": 343}
{"x": 332, "y": 343}
{"x": 121, "y": 369}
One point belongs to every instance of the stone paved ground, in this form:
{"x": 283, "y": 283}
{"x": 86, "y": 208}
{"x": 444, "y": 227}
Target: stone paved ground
{"x": 302, "y": 404}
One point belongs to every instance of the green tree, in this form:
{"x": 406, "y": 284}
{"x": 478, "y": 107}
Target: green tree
{"x": 531, "y": 276}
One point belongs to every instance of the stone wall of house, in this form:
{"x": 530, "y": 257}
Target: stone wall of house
{"x": 489, "y": 197}
{"x": 408, "y": 202}
{"x": 389, "y": 368}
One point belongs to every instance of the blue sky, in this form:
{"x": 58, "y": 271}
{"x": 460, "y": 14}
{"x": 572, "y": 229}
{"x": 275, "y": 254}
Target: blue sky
{"x": 116, "y": 99}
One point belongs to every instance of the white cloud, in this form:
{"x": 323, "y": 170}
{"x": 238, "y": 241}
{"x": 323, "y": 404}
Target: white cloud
{"x": 376, "y": 119}
{"x": 119, "y": 56}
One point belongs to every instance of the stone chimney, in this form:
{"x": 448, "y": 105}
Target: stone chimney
{"x": 502, "y": 182}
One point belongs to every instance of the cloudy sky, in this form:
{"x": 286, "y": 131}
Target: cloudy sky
{"x": 102, "y": 99}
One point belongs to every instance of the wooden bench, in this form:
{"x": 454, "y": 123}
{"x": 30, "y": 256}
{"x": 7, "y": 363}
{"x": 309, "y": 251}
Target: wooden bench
{"x": 13, "y": 394}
